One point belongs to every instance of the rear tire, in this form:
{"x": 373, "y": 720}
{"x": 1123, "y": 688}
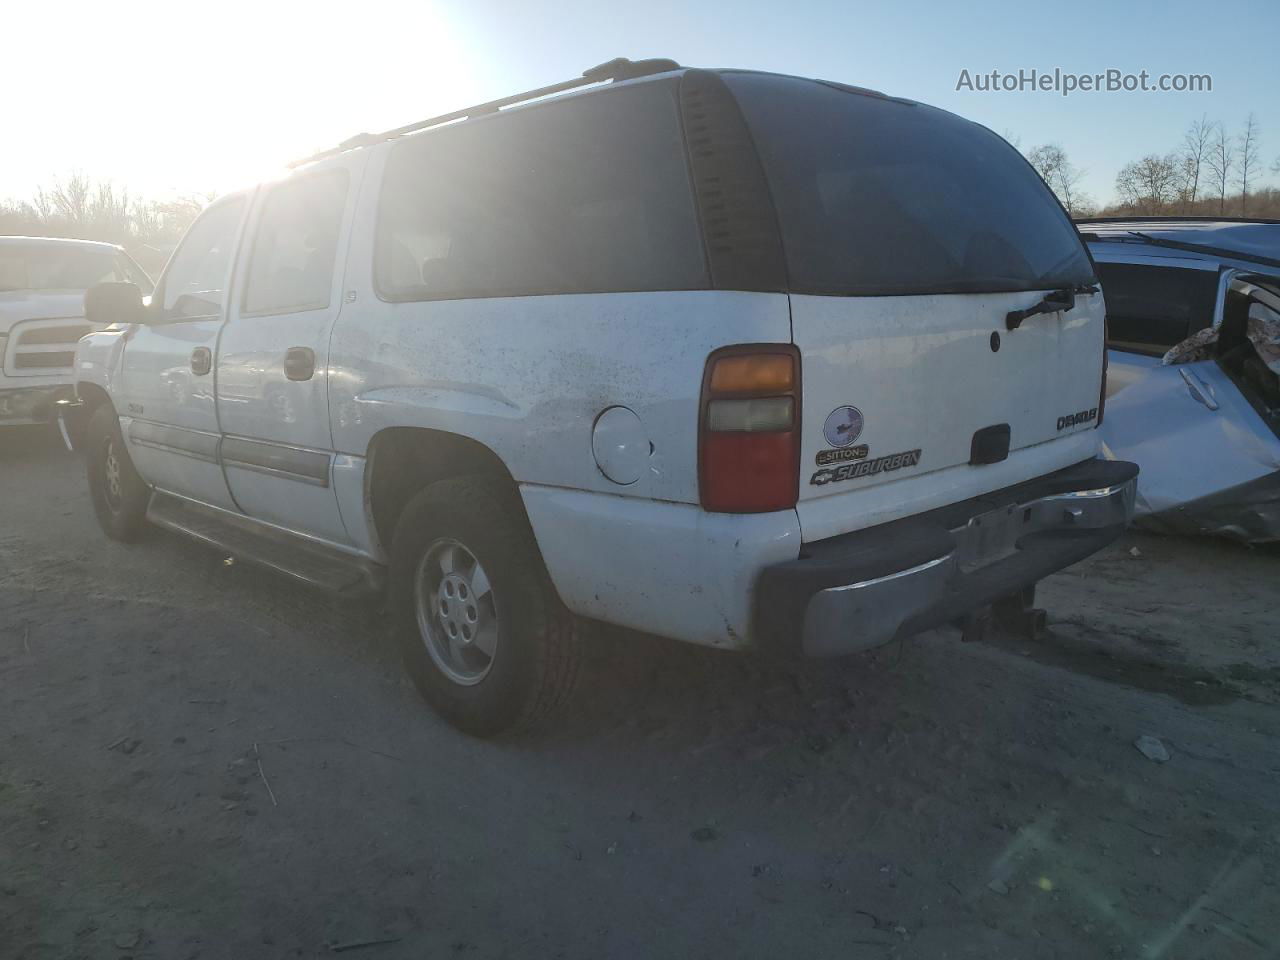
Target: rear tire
{"x": 478, "y": 624}
{"x": 119, "y": 494}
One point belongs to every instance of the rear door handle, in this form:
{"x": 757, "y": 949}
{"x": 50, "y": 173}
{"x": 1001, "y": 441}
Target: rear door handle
{"x": 201, "y": 361}
{"x": 299, "y": 363}
{"x": 1200, "y": 390}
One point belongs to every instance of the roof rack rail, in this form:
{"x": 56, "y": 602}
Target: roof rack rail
{"x": 1171, "y": 218}
{"x": 617, "y": 69}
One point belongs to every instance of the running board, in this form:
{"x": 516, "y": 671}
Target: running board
{"x": 244, "y": 539}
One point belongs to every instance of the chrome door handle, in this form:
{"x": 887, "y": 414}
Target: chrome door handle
{"x": 1200, "y": 391}
{"x": 299, "y": 363}
{"x": 201, "y": 361}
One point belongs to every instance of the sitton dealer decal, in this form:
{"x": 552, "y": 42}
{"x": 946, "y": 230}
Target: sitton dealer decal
{"x": 841, "y": 456}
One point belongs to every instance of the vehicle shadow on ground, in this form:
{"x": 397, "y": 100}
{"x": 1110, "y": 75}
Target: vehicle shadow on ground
{"x": 841, "y": 798}
{"x": 1083, "y": 648}
{"x": 31, "y": 445}
{"x": 641, "y": 681}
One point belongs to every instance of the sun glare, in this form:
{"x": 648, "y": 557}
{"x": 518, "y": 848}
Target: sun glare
{"x": 173, "y": 100}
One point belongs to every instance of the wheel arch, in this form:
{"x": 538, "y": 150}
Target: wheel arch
{"x": 92, "y": 397}
{"x": 403, "y": 460}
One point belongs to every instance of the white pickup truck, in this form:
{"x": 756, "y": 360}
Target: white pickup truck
{"x": 42, "y": 286}
{"x": 747, "y": 360}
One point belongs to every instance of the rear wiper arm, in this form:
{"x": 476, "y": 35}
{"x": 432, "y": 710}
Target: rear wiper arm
{"x": 1053, "y": 301}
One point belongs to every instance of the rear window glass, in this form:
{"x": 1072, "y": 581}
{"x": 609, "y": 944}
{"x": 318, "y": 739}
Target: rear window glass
{"x": 876, "y": 196}
{"x": 589, "y": 194}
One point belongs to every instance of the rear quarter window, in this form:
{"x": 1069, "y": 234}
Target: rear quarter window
{"x": 1151, "y": 308}
{"x": 589, "y": 194}
{"x": 877, "y": 196}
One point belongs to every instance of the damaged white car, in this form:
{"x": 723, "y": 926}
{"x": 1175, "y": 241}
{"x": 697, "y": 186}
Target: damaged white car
{"x": 1193, "y": 396}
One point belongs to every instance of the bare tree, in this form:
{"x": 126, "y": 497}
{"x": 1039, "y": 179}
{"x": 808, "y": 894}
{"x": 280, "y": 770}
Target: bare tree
{"x": 110, "y": 212}
{"x": 1247, "y": 169}
{"x": 100, "y": 210}
{"x": 1222, "y": 162}
{"x": 1077, "y": 202}
{"x": 1062, "y": 176}
{"x": 1195, "y": 149}
{"x": 41, "y": 206}
{"x": 1047, "y": 159}
{"x": 1149, "y": 185}
{"x": 68, "y": 200}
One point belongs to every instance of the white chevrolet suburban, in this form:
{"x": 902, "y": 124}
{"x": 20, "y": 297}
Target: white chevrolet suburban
{"x": 42, "y": 286}
{"x": 747, "y": 360}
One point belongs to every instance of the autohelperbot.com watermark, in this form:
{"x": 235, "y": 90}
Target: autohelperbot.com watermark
{"x": 1065, "y": 82}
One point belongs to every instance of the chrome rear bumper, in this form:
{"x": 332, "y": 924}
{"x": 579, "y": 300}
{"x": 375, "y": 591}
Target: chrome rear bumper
{"x": 867, "y": 588}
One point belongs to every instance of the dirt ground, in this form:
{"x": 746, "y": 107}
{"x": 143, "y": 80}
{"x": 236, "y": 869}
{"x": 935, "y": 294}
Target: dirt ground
{"x": 203, "y": 760}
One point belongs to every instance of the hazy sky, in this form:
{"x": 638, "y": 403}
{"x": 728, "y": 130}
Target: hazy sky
{"x": 180, "y": 96}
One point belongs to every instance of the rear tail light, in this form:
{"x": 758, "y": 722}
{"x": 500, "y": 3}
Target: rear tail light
{"x": 1102, "y": 393}
{"x": 749, "y": 430}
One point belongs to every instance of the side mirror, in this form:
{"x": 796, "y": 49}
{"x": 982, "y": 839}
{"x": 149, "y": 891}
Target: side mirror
{"x": 107, "y": 303}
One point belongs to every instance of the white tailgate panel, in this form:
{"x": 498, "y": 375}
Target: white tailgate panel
{"x": 923, "y": 375}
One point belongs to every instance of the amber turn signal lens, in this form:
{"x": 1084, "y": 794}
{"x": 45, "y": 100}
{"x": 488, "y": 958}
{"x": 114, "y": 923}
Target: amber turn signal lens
{"x": 753, "y": 372}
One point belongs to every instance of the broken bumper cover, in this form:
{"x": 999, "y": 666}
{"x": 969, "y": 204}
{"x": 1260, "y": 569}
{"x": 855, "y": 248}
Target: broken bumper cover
{"x": 1248, "y": 512}
{"x": 29, "y": 404}
{"x": 70, "y": 413}
{"x": 865, "y": 588}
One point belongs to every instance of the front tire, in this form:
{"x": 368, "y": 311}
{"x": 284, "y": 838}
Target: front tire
{"x": 479, "y": 626}
{"x": 119, "y": 494}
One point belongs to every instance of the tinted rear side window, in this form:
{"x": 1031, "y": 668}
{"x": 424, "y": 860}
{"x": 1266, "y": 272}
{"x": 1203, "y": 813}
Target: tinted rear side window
{"x": 585, "y": 195}
{"x": 876, "y": 196}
